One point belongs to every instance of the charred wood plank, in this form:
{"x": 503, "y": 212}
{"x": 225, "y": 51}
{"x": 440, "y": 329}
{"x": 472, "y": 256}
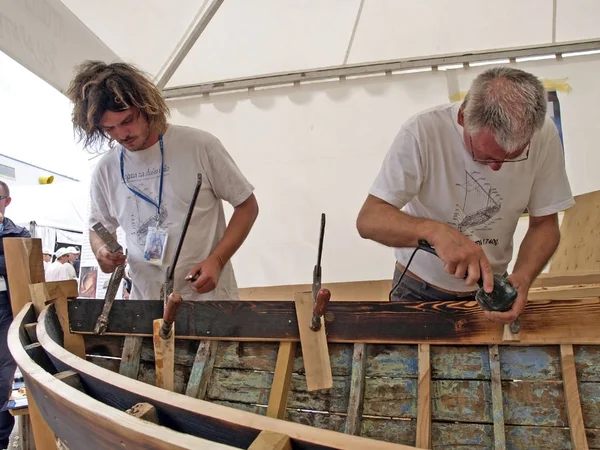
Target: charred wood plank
{"x": 560, "y": 321}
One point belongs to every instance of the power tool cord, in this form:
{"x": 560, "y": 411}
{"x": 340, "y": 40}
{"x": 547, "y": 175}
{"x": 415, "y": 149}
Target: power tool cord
{"x": 402, "y": 274}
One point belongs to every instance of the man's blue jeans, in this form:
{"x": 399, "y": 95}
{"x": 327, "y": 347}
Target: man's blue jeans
{"x": 411, "y": 289}
{"x": 7, "y": 370}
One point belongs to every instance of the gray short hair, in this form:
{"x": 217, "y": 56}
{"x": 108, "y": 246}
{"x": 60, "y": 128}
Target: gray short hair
{"x": 5, "y": 188}
{"x": 509, "y": 102}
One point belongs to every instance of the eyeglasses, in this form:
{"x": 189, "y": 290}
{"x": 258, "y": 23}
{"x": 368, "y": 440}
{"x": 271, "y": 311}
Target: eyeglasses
{"x": 2, "y": 197}
{"x": 521, "y": 157}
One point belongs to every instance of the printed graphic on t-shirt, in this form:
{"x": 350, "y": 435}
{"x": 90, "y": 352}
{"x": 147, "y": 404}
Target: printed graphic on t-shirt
{"x": 146, "y": 183}
{"x": 480, "y": 206}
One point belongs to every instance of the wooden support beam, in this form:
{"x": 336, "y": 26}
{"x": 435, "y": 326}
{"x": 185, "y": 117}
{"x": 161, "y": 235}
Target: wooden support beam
{"x": 71, "y": 378}
{"x": 270, "y": 440}
{"x": 445, "y": 323}
{"x": 315, "y": 352}
{"x": 130, "y": 358}
{"x": 571, "y": 278}
{"x": 357, "y": 389}
{"x": 571, "y": 387}
{"x": 566, "y": 292}
{"x": 497, "y": 401}
{"x": 424, "y": 398}
{"x": 26, "y": 432}
{"x": 30, "y": 330}
{"x": 202, "y": 369}
{"x": 282, "y": 379}
{"x": 164, "y": 357}
{"x": 144, "y": 411}
{"x": 24, "y": 266}
{"x": 41, "y": 296}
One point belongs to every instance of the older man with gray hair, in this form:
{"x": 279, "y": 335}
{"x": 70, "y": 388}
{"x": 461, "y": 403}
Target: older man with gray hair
{"x": 459, "y": 176}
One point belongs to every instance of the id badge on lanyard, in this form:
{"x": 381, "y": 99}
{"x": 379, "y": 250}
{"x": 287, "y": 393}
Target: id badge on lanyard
{"x": 156, "y": 239}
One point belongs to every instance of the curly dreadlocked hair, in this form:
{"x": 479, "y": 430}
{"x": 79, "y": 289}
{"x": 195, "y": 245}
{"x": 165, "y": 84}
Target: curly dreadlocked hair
{"x": 99, "y": 87}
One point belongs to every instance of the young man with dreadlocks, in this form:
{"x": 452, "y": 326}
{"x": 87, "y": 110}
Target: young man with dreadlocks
{"x": 145, "y": 184}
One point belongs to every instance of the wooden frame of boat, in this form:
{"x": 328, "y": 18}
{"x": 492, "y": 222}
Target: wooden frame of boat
{"x": 447, "y": 376}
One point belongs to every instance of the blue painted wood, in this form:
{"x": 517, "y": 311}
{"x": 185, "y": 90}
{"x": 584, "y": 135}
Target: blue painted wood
{"x": 530, "y": 363}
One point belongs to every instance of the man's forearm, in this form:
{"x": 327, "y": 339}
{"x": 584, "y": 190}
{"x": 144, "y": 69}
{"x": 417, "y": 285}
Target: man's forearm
{"x": 538, "y": 246}
{"x": 386, "y": 224}
{"x": 96, "y": 241}
{"x": 237, "y": 231}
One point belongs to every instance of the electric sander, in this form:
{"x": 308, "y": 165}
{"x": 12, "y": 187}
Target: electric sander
{"x": 500, "y": 299}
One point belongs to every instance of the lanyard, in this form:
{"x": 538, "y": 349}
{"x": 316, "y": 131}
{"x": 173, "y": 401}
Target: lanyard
{"x": 160, "y": 188}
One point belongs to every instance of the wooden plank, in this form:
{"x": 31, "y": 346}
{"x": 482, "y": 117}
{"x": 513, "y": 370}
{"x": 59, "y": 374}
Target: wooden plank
{"x": 460, "y": 363}
{"x": 164, "y": 357}
{"x": 202, "y": 369}
{"x": 130, "y": 359}
{"x": 250, "y": 387}
{"x": 332, "y": 400}
{"x": 393, "y": 361}
{"x": 535, "y": 403}
{"x": 389, "y": 430}
{"x": 322, "y": 421}
{"x": 282, "y": 380}
{"x": 24, "y": 266}
{"x": 390, "y": 397}
{"x": 357, "y": 389}
{"x": 530, "y": 363}
{"x": 461, "y": 401}
{"x": 531, "y": 437}
{"x": 314, "y": 345}
{"x": 72, "y": 342}
{"x": 424, "y": 398}
{"x": 340, "y": 358}
{"x": 43, "y": 294}
{"x": 580, "y": 236}
{"x": 247, "y": 355}
{"x": 587, "y": 362}
{"x": 42, "y": 434}
{"x": 548, "y": 322}
{"x": 26, "y": 432}
{"x": 463, "y": 436}
{"x": 497, "y": 403}
{"x": 567, "y": 292}
{"x": 63, "y": 288}
{"x": 269, "y": 440}
{"x": 568, "y": 278}
{"x": 590, "y": 404}
{"x": 571, "y": 389}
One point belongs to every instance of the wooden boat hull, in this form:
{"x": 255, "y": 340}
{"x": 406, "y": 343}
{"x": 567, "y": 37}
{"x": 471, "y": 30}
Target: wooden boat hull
{"x": 99, "y": 417}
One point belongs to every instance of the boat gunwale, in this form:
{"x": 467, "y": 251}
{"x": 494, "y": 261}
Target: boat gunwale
{"x": 112, "y": 417}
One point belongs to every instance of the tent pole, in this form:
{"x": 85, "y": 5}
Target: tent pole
{"x": 381, "y": 67}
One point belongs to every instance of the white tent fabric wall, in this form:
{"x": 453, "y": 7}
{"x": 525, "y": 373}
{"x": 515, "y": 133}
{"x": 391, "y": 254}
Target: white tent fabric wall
{"x": 57, "y": 210}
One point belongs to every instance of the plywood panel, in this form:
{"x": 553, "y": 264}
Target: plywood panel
{"x": 580, "y": 236}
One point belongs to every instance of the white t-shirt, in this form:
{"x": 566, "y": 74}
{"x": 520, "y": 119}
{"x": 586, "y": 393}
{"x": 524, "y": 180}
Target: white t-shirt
{"x": 429, "y": 173}
{"x": 187, "y": 152}
{"x": 58, "y": 271}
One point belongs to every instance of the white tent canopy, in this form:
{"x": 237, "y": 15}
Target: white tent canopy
{"x": 311, "y": 147}
{"x": 199, "y": 42}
